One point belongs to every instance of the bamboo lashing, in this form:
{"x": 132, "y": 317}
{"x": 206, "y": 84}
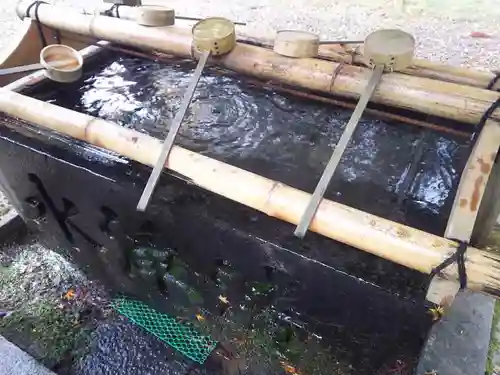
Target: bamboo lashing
{"x": 398, "y": 243}
{"x": 212, "y": 36}
{"x": 463, "y": 103}
{"x": 387, "y": 49}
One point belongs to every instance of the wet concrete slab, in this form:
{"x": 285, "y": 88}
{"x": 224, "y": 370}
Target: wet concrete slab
{"x": 459, "y": 343}
{"x": 13, "y": 361}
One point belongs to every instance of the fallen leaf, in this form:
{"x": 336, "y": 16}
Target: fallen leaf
{"x": 289, "y": 369}
{"x": 70, "y": 294}
{"x": 200, "y": 317}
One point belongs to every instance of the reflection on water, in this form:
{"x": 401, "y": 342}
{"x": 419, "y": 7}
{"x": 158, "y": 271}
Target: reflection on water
{"x": 279, "y": 137}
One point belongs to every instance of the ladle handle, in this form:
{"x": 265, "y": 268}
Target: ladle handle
{"x": 322, "y": 42}
{"x": 174, "y": 128}
{"x": 28, "y": 68}
{"x": 327, "y": 175}
{"x": 200, "y": 19}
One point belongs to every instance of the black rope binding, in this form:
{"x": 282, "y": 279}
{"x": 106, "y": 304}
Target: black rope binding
{"x": 115, "y": 7}
{"x": 57, "y": 36}
{"x": 493, "y": 81}
{"x": 459, "y": 257}
{"x": 36, "y": 5}
{"x": 484, "y": 118}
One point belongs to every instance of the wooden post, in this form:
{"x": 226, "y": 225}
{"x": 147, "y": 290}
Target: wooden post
{"x": 462, "y": 103}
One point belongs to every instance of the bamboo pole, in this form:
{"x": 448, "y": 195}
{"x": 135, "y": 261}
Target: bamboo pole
{"x": 401, "y": 244}
{"x": 420, "y": 68}
{"x": 473, "y": 182}
{"x": 448, "y": 100}
{"x": 35, "y": 78}
{"x": 468, "y": 200}
{"x": 338, "y": 52}
{"x": 278, "y": 88}
{"x": 152, "y": 55}
{"x": 375, "y": 112}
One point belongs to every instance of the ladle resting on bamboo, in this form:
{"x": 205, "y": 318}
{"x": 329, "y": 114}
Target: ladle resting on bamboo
{"x": 463, "y": 103}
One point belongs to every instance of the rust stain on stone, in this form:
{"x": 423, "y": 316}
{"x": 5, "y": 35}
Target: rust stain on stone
{"x": 476, "y": 194}
{"x": 463, "y": 202}
{"x": 485, "y": 167}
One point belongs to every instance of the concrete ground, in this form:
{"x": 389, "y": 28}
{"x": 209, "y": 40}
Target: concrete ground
{"x": 444, "y": 30}
{"x": 13, "y": 361}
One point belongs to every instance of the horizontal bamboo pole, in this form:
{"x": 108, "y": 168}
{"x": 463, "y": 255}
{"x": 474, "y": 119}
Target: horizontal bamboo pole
{"x": 344, "y": 104}
{"x": 279, "y": 88}
{"x": 401, "y": 244}
{"x": 338, "y": 52}
{"x": 420, "y": 68}
{"x": 448, "y": 100}
{"x": 352, "y": 54}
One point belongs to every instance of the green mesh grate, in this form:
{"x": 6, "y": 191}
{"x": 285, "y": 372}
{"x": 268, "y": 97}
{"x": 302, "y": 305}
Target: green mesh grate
{"x": 180, "y": 336}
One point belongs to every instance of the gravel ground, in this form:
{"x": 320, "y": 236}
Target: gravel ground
{"x": 442, "y": 27}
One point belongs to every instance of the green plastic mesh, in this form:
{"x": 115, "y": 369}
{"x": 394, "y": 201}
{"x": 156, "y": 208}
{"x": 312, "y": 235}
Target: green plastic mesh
{"x": 180, "y": 336}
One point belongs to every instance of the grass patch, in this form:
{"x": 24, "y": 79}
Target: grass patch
{"x": 45, "y": 331}
{"x": 494, "y": 340}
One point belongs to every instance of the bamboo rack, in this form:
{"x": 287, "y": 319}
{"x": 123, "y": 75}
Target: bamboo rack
{"x": 337, "y": 52}
{"x": 444, "y": 99}
{"x": 401, "y": 244}
{"x": 420, "y": 68}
